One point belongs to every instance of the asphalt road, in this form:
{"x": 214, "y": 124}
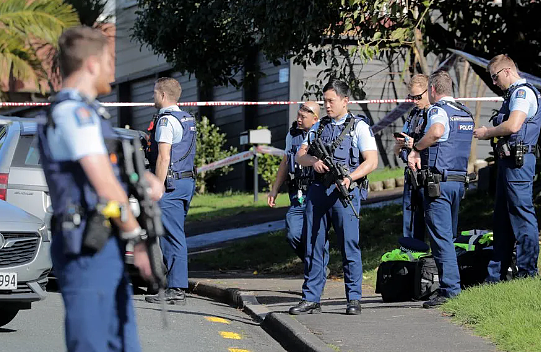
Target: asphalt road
{"x": 200, "y": 325}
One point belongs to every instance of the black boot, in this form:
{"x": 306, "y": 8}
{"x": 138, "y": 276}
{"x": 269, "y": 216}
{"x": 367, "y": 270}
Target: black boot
{"x": 435, "y": 302}
{"x": 305, "y": 307}
{"x": 354, "y": 307}
{"x": 171, "y": 296}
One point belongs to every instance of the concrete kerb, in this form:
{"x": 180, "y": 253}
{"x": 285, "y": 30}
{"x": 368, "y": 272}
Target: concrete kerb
{"x": 282, "y": 327}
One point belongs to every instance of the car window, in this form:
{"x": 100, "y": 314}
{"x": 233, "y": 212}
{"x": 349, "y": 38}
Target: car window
{"x": 27, "y": 152}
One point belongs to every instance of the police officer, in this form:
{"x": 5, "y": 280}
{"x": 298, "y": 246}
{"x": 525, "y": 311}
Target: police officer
{"x": 442, "y": 155}
{"x": 354, "y": 147}
{"x": 413, "y": 222}
{"x": 99, "y": 314}
{"x": 517, "y": 128}
{"x": 171, "y": 156}
{"x": 298, "y": 178}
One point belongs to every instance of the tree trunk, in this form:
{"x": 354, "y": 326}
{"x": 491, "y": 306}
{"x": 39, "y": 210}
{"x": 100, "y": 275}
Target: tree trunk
{"x": 420, "y": 51}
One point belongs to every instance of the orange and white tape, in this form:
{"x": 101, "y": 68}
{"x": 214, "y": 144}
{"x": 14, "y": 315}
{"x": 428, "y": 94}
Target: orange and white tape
{"x": 245, "y": 103}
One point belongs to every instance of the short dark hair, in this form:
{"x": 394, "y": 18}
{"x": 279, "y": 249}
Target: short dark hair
{"x": 76, "y": 44}
{"x": 442, "y": 82}
{"x": 340, "y": 87}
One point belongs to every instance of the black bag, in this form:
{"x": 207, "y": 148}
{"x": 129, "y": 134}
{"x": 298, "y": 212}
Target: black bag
{"x": 395, "y": 280}
{"x": 426, "y": 279}
{"x": 399, "y": 281}
{"x": 473, "y": 265}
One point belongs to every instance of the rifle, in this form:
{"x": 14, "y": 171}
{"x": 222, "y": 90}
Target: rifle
{"x": 133, "y": 168}
{"x": 337, "y": 172}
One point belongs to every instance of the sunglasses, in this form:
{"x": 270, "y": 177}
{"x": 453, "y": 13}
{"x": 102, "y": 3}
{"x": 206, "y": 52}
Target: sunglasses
{"x": 495, "y": 76}
{"x": 417, "y": 97}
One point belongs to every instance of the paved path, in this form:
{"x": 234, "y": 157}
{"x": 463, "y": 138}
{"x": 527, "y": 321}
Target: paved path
{"x": 382, "y": 327}
{"x": 202, "y": 325}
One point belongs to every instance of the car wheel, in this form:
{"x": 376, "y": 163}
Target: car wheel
{"x": 7, "y": 315}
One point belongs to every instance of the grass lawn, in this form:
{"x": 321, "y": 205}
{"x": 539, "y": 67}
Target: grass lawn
{"x": 211, "y": 206}
{"x": 508, "y": 313}
{"x": 379, "y": 233}
{"x": 386, "y": 173}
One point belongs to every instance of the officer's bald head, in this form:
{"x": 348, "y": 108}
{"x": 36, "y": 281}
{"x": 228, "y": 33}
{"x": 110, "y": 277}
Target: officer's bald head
{"x": 76, "y": 45}
{"x": 311, "y": 107}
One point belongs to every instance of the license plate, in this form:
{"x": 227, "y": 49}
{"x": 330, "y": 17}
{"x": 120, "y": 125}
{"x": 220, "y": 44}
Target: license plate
{"x": 8, "y": 281}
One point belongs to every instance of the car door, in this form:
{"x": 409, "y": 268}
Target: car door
{"x": 27, "y": 188}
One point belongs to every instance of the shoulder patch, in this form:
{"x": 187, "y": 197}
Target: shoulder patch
{"x": 83, "y": 116}
{"x": 521, "y": 93}
{"x": 163, "y": 121}
{"x": 433, "y": 111}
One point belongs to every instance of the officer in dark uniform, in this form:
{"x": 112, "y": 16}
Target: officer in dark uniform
{"x": 298, "y": 178}
{"x": 90, "y": 273}
{"x": 442, "y": 156}
{"x": 353, "y": 146}
{"x": 517, "y": 128}
{"x": 413, "y": 221}
{"x": 171, "y": 155}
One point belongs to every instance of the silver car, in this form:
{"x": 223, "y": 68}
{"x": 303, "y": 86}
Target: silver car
{"x": 25, "y": 261}
{"x": 22, "y": 182}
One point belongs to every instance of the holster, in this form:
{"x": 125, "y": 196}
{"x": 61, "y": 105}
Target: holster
{"x": 363, "y": 188}
{"x": 97, "y": 231}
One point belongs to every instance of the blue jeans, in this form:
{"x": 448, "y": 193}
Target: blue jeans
{"x": 514, "y": 220}
{"x": 97, "y": 297}
{"x": 441, "y": 216}
{"x": 323, "y": 205}
{"x": 294, "y": 236}
{"x": 416, "y": 228}
{"x": 174, "y": 205}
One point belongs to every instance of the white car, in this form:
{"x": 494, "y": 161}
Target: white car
{"x": 25, "y": 261}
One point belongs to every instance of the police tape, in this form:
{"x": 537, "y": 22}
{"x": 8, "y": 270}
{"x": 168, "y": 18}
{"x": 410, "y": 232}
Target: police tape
{"x": 237, "y": 158}
{"x": 246, "y": 103}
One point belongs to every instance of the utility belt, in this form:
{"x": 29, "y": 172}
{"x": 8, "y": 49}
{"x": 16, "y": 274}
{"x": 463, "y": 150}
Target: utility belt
{"x": 505, "y": 150}
{"x": 431, "y": 180}
{"x": 87, "y": 231}
{"x": 178, "y": 175}
{"x": 298, "y": 188}
{"x": 174, "y": 175}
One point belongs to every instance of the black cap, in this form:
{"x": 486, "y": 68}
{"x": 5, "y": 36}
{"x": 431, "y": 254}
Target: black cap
{"x": 413, "y": 245}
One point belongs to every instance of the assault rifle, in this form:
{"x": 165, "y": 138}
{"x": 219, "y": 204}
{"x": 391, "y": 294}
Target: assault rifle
{"x": 337, "y": 172}
{"x": 132, "y": 164}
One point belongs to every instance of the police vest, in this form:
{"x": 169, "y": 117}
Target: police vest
{"x": 69, "y": 187}
{"x": 529, "y": 131}
{"x": 416, "y": 122}
{"x": 451, "y": 156}
{"x": 183, "y": 152}
{"x": 344, "y": 152}
{"x": 298, "y": 176}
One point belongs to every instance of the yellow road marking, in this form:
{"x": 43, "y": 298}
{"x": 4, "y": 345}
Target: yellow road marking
{"x": 217, "y": 320}
{"x": 237, "y": 350}
{"x": 230, "y": 335}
